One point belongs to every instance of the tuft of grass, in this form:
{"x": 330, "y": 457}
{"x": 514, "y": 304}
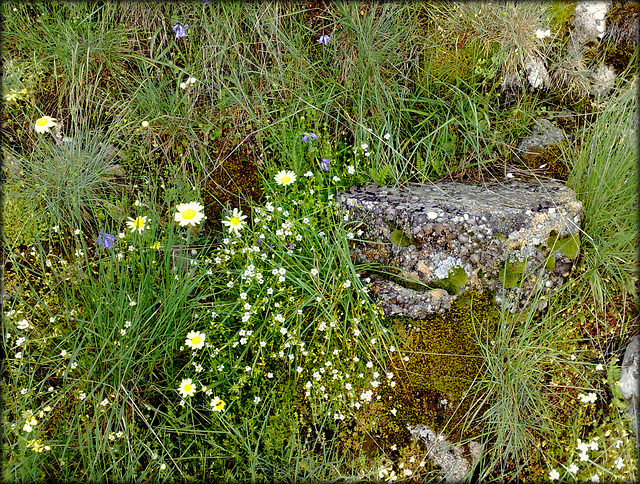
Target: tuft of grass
{"x": 61, "y": 183}
{"x": 604, "y": 176}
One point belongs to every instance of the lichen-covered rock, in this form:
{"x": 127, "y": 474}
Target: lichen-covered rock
{"x": 398, "y": 300}
{"x": 588, "y": 23}
{"x": 543, "y": 136}
{"x": 455, "y": 461}
{"x": 507, "y": 238}
{"x": 630, "y": 378}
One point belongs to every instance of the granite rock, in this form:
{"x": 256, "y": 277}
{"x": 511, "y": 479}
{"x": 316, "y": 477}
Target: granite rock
{"x": 544, "y": 135}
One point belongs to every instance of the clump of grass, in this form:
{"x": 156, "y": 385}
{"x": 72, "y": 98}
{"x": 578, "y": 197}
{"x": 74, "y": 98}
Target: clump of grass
{"x": 511, "y": 394}
{"x": 604, "y": 176}
{"x": 508, "y": 27}
{"x": 62, "y": 183}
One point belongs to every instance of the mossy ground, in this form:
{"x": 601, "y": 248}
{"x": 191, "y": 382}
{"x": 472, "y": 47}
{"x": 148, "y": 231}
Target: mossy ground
{"x": 431, "y": 387}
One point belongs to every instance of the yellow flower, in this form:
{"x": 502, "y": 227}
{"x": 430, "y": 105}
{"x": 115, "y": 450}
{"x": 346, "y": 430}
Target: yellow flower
{"x": 217, "y": 404}
{"x": 195, "y": 340}
{"x": 285, "y": 177}
{"x": 155, "y": 245}
{"x": 139, "y": 224}
{"x": 187, "y": 388}
{"x": 189, "y": 214}
{"x": 235, "y": 221}
{"x": 29, "y": 424}
{"x": 44, "y": 124}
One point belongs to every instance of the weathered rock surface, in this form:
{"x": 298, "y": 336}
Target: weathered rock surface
{"x": 543, "y": 136}
{"x": 455, "y": 461}
{"x": 509, "y": 238}
{"x": 399, "y": 300}
{"x": 630, "y": 378}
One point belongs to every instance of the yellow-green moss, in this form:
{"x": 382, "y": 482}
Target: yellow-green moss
{"x": 398, "y": 237}
{"x": 444, "y": 360}
{"x": 561, "y": 14}
{"x": 569, "y": 245}
{"x": 511, "y": 273}
{"x": 456, "y": 278}
{"x": 551, "y": 159}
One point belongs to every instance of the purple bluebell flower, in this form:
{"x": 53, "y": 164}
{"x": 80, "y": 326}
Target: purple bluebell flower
{"x": 105, "y": 240}
{"x": 324, "y": 39}
{"x": 306, "y": 137}
{"x": 290, "y": 245}
{"x": 181, "y": 31}
{"x": 324, "y": 164}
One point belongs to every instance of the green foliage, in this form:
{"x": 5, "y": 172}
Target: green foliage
{"x": 96, "y": 338}
{"x": 604, "y": 176}
{"x": 63, "y": 183}
{"x": 398, "y": 237}
{"x": 511, "y": 273}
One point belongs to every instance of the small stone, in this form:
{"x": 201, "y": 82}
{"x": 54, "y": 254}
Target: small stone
{"x": 630, "y": 371}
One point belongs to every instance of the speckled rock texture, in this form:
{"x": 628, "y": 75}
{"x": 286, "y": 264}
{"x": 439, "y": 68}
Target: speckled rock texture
{"x": 544, "y": 135}
{"x": 454, "y": 461}
{"x": 512, "y": 239}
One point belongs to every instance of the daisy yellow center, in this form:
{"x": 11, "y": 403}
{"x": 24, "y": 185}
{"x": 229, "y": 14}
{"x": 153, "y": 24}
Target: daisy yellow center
{"x": 188, "y": 214}
{"x": 187, "y": 388}
{"x": 235, "y": 221}
{"x": 285, "y": 179}
{"x": 195, "y": 340}
{"x": 138, "y": 223}
{"x": 220, "y": 405}
{"x": 41, "y": 122}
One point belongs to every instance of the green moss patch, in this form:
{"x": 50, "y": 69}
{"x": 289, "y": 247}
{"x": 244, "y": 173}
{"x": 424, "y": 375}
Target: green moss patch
{"x": 511, "y": 273}
{"x": 398, "y": 237}
{"x": 456, "y": 278}
{"x": 444, "y": 360}
{"x": 568, "y": 245}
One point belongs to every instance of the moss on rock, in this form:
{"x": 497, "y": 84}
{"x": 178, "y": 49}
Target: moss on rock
{"x": 511, "y": 273}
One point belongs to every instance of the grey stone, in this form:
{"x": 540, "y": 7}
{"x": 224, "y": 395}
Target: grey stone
{"x": 395, "y": 299}
{"x": 507, "y": 228}
{"x": 455, "y": 461}
{"x": 630, "y": 378}
{"x": 544, "y": 135}
{"x": 588, "y": 25}
{"x": 537, "y": 74}
{"x": 603, "y": 81}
